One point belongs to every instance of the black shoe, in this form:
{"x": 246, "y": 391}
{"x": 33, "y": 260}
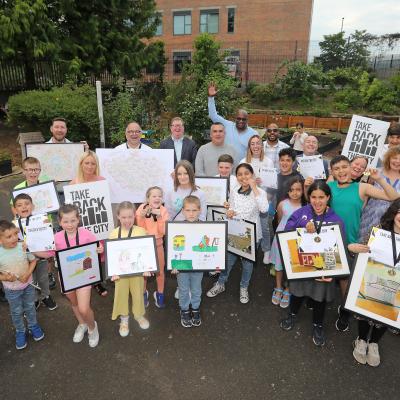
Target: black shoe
{"x": 49, "y": 303}
{"x": 196, "y": 318}
{"x": 52, "y": 281}
{"x": 309, "y": 304}
{"x": 186, "y": 319}
{"x": 318, "y": 336}
{"x": 288, "y": 323}
{"x": 342, "y": 323}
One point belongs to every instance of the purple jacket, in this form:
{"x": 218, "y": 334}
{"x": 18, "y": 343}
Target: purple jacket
{"x": 304, "y": 214}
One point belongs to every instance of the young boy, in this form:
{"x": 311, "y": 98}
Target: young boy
{"x": 23, "y": 207}
{"x": 16, "y": 267}
{"x": 189, "y": 283}
{"x": 225, "y": 166}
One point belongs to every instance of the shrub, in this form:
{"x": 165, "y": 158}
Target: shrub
{"x": 265, "y": 94}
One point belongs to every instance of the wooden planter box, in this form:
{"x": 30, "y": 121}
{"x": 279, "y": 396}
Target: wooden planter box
{"x": 5, "y": 167}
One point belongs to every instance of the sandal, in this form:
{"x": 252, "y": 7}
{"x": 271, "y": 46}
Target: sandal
{"x": 276, "y": 296}
{"x": 101, "y": 290}
{"x": 285, "y": 300}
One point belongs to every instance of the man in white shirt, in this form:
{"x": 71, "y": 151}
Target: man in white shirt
{"x": 311, "y": 145}
{"x": 272, "y": 146}
{"x": 59, "y": 132}
{"x": 133, "y": 133}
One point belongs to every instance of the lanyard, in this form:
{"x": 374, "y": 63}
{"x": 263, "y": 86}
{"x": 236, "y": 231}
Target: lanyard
{"x": 317, "y": 225}
{"x": 21, "y": 228}
{"x": 76, "y": 239}
{"x": 129, "y": 233}
{"x": 396, "y": 258}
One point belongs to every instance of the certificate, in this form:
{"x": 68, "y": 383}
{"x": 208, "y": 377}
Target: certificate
{"x": 380, "y": 245}
{"x": 326, "y": 240}
{"x": 311, "y": 166}
{"x": 269, "y": 177}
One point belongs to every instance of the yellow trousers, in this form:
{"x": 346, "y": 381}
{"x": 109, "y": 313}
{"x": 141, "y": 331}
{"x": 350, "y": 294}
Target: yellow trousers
{"x": 123, "y": 286}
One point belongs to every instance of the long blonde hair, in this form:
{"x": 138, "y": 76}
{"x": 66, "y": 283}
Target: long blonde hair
{"x": 249, "y": 154}
{"x": 189, "y": 169}
{"x": 85, "y": 155}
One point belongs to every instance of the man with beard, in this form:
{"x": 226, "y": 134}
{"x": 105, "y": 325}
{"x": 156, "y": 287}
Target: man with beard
{"x": 272, "y": 146}
{"x": 237, "y": 133}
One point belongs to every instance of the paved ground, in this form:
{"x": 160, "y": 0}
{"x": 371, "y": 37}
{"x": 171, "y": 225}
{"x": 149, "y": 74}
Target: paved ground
{"x": 238, "y": 353}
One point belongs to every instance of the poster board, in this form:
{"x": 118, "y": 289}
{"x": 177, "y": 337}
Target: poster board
{"x": 215, "y": 189}
{"x": 311, "y": 166}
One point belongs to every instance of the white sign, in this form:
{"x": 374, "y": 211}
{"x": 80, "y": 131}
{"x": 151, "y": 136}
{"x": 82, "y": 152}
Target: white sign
{"x": 269, "y": 177}
{"x": 366, "y": 137}
{"x": 131, "y": 172}
{"x": 326, "y": 240}
{"x": 380, "y": 245}
{"x": 215, "y": 189}
{"x": 311, "y": 166}
{"x": 94, "y": 203}
{"x": 59, "y": 161}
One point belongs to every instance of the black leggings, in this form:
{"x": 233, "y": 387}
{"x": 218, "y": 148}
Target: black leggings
{"x": 318, "y": 308}
{"x": 376, "y": 333}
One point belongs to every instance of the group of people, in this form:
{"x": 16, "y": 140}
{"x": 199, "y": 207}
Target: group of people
{"x": 238, "y": 153}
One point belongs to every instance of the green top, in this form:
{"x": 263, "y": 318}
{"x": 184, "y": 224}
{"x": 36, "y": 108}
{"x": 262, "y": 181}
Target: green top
{"x": 346, "y": 203}
{"x": 23, "y": 184}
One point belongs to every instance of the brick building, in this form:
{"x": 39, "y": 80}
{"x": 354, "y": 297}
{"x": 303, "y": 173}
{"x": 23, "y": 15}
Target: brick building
{"x": 259, "y": 34}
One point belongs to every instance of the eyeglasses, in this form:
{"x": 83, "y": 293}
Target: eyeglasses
{"x": 272, "y": 130}
{"x": 137, "y": 132}
{"x": 32, "y": 170}
{"x": 241, "y": 119}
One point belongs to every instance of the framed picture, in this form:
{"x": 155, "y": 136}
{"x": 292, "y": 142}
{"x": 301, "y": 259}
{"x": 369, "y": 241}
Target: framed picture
{"x": 94, "y": 203}
{"x": 79, "y": 266}
{"x": 374, "y": 289}
{"x": 215, "y": 189}
{"x": 131, "y": 256}
{"x": 242, "y": 239}
{"x": 210, "y": 210}
{"x": 196, "y": 246}
{"x": 312, "y": 255}
{"x": 44, "y": 197}
{"x": 59, "y": 161}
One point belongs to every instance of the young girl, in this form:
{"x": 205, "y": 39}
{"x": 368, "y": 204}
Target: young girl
{"x": 132, "y": 284}
{"x": 312, "y": 217}
{"x": 366, "y": 350}
{"x": 246, "y": 203}
{"x": 152, "y": 216}
{"x": 71, "y": 235}
{"x": 293, "y": 201}
{"x": 184, "y": 185}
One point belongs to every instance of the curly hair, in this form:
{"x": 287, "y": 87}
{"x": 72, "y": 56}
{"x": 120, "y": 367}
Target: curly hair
{"x": 387, "y": 219}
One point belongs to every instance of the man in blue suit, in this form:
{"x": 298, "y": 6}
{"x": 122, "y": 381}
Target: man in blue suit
{"x": 184, "y": 148}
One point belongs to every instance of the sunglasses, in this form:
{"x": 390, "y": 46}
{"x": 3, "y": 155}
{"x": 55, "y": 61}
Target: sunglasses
{"x": 272, "y": 130}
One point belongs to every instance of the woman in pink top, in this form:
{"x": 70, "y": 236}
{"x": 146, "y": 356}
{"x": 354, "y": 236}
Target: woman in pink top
{"x": 89, "y": 171}
{"x": 152, "y": 216}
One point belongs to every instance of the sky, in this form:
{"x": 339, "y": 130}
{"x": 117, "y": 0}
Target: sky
{"x": 376, "y": 16}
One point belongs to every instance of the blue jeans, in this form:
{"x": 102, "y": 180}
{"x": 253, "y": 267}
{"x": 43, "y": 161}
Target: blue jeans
{"x": 247, "y": 270}
{"x": 266, "y": 233}
{"x": 22, "y": 301}
{"x": 189, "y": 284}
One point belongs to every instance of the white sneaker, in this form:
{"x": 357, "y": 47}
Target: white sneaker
{"x": 266, "y": 257}
{"x": 94, "y": 336}
{"x": 124, "y": 327}
{"x": 360, "y": 351}
{"x": 216, "y": 290}
{"x": 79, "y": 333}
{"x": 176, "y": 295}
{"x": 373, "y": 357}
{"x": 143, "y": 323}
{"x": 244, "y": 295}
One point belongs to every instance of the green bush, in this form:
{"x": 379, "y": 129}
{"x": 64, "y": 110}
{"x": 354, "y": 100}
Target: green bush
{"x": 264, "y": 95}
{"x": 34, "y": 110}
{"x": 346, "y": 99}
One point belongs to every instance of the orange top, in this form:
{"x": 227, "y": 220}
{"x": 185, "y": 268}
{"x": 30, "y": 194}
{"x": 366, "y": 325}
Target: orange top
{"x": 156, "y": 228}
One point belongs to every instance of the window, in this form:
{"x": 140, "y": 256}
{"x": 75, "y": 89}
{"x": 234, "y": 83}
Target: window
{"x": 231, "y": 20}
{"x": 159, "y": 30}
{"x": 209, "y": 21}
{"x": 182, "y": 23}
{"x": 180, "y": 57}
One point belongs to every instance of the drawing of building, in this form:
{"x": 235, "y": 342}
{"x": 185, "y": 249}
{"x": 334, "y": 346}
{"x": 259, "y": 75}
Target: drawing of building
{"x": 178, "y": 242}
{"x": 87, "y": 263}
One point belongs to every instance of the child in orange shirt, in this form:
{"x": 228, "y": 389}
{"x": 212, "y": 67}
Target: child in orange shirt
{"x": 152, "y": 216}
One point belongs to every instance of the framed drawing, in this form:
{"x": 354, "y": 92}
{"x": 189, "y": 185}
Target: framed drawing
{"x": 374, "y": 290}
{"x": 242, "y": 239}
{"x": 121, "y": 167}
{"x": 79, "y": 266}
{"x": 94, "y": 203}
{"x": 215, "y": 189}
{"x": 311, "y": 255}
{"x": 59, "y": 161}
{"x": 44, "y": 197}
{"x": 196, "y": 246}
{"x": 131, "y": 256}
{"x": 210, "y": 210}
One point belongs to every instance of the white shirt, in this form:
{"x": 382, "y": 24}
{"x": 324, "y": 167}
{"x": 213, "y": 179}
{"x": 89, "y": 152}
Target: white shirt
{"x": 64, "y": 141}
{"x": 257, "y": 164}
{"x": 124, "y": 146}
{"x": 272, "y": 152}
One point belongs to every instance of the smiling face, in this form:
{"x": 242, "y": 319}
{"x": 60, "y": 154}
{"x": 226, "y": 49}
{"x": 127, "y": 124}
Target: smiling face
{"x": 126, "y": 218}
{"x": 59, "y": 130}
{"x": 133, "y": 133}
{"x": 23, "y": 207}
{"x": 155, "y": 198}
{"x": 358, "y": 167}
{"x": 272, "y": 133}
{"x": 296, "y": 191}
{"x": 183, "y": 176}
{"x": 217, "y": 134}
{"x": 225, "y": 169}
{"x": 31, "y": 173}
{"x": 286, "y": 164}
{"x": 89, "y": 167}
{"x": 9, "y": 238}
{"x": 255, "y": 147}
{"x": 394, "y": 163}
{"x": 394, "y": 140}
{"x": 243, "y": 176}
{"x": 241, "y": 121}
{"x": 177, "y": 129}
{"x": 310, "y": 146}
{"x": 70, "y": 222}
{"x": 319, "y": 201}
{"x": 341, "y": 171}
